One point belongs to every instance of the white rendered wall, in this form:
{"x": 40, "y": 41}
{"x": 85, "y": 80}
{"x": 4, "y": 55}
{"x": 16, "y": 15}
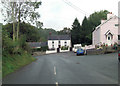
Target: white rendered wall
{"x": 99, "y": 35}
{"x": 110, "y": 25}
{"x": 56, "y": 43}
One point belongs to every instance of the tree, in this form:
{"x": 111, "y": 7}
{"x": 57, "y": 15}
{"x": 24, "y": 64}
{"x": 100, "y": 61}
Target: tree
{"x": 39, "y": 24}
{"x": 85, "y": 31}
{"x": 31, "y": 33}
{"x": 76, "y": 32}
{"x": 44, "y": 33}
{"x": 96, "y": 17}
{"x": 90, "y": 23}
{"x": 20, "y": 11}
{"x": 64, "y": 31}
{"x": 95, "y": 20}
{"x": 13, "y": 18}
{"x": 85, "y": 25}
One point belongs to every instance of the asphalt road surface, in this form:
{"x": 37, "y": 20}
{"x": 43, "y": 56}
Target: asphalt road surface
{"x": 67, "y": 68}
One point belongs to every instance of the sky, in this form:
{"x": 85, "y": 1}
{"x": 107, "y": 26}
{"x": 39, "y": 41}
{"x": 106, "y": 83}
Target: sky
{"x": 58, "y": 14}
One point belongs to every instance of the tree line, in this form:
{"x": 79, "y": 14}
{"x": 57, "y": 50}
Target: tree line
{"x": 82, "y": 33}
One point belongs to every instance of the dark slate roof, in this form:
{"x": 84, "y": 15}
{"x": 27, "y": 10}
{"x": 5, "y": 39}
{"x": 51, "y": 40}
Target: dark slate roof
{"x": 37, "y": 44}
{"x": 59, "y": 37}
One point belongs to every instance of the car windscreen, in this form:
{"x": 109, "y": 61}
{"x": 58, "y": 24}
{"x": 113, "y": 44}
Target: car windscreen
{"x": 77, "y": 47}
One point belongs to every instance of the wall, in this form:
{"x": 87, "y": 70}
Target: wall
{"x": 56, "y": 43}
{"x": 96, "y": 36}
{"x": 51, "y": 51}
{"x": 110, "y": 25}
{"x": 99, "y": 35}
{"x": 65, "y": 50}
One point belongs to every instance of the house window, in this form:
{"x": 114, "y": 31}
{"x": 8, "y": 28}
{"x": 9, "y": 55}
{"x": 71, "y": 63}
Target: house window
{"x": 59, "y": 42}
{"x": 118, "y": 37}
{"x": 116, "y": 25}
{"x": 108, "y": 37}
{"x": 65, "y": 43}
{"x": 52, "y": 44}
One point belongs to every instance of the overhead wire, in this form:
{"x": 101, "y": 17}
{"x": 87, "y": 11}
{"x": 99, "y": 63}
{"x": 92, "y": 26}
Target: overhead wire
{"x": 75, "y": 7}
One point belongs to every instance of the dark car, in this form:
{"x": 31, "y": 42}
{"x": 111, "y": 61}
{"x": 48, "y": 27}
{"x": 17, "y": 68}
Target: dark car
{"x": 119, "y": 56}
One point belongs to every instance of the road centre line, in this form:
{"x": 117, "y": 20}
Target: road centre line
{"x": 54, "y": 70}
{"x": 56, "y": 83}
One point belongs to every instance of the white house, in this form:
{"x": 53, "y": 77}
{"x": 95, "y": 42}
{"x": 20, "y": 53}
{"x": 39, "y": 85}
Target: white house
{"x": 107, "y": 31}
{"x": 57, "y": 41}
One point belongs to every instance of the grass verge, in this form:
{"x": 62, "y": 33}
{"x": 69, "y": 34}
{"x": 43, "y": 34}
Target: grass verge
{"x": 12, "y": 63}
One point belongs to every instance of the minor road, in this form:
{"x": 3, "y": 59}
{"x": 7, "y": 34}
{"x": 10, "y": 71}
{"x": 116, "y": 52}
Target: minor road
{"x": 67, "y": 68}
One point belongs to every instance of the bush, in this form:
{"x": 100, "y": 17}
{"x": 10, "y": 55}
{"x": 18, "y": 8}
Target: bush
{"x": 96, "y": 46}
{"x": 8, "y": 45}
{"x": 15, "y": 53}
{"x": 64, "y": 48}
{"x": 44, "y": 48}
{"x": 23, "y": 44}
{"x": 115, "y": 47}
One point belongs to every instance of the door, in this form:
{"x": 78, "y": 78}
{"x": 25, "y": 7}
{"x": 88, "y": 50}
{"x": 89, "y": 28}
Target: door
{"x": 58, "y": 50}
{"x": 109, "y": 39}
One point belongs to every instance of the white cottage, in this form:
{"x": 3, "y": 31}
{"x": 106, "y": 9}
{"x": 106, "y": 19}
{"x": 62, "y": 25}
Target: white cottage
{"x": 57, "y": 41}
{"x": 107, "y": 31}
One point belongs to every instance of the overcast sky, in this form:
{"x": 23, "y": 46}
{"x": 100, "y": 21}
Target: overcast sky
{"x": 57, "y": 14}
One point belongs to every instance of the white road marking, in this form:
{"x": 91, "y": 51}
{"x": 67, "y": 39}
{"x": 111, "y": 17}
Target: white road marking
{"x": 56, "y": 83}
{"x": 54, "y": 70}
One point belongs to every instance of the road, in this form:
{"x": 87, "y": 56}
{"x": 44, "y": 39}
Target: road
{"x": 67, "y": 68}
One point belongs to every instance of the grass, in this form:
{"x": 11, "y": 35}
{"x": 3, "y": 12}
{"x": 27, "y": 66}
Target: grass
{"x": 0, "y": 70}
{"x": 11, "y": 63}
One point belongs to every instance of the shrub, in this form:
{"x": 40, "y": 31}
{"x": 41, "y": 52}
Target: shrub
{"x": 44, "y": 48}
{"x": 8, "y": 45}
{"x": 115, "y": 46}
{"x": 64, "y": 48}
{"x": 96, "y": 46}
{"x": 23, "y": 44}
{"x": 14, "y": 54}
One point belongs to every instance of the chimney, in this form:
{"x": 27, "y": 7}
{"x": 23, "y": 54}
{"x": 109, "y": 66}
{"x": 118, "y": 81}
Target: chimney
{"x": 50, "y": 33}
{"x": 102, "y": 21}
{"x": 110, "y": 15}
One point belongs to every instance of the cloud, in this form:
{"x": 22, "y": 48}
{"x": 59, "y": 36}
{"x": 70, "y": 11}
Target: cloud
{"x": 57, "y": 14}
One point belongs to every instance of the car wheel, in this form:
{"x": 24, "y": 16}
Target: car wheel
{"x": 84, "y": 53}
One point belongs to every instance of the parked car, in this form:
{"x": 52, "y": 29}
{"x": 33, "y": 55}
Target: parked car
{"x": 80, "y": 52}
{"x": 76, "y": 47}
{"x": 119, "y": 56}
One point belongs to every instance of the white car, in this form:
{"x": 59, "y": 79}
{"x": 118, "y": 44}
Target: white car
{"x": 76, "y": 47}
